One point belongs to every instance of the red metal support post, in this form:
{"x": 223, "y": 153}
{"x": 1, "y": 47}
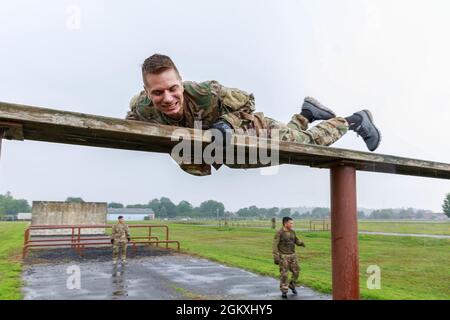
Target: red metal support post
{"x": 344, "y": 233}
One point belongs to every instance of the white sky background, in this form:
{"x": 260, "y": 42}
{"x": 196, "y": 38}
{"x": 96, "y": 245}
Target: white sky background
{"x": 391, "y": 56}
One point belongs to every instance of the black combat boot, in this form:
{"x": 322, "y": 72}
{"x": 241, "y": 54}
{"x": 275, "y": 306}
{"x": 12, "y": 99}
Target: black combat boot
{"x": 362, "y": 123}
{"x": 313, "y": 110}
{"x": 284, "y": 295}
{"x": 292, "y": 287}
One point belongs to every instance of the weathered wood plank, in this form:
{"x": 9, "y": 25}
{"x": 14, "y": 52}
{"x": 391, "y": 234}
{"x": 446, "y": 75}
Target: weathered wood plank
{"x": 49, "y": 125}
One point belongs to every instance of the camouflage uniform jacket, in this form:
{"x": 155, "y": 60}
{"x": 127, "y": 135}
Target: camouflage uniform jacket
{"x": 207, "y": 102}
{"x": 120, "y": 232}
{"x": 284, "y": 242}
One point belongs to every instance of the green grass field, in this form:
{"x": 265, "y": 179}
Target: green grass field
{"x": 435, "y": 228}
{"x": 412, "y": 227}
{"x": 411, "y": 268}
{"x": 11, "y": 242}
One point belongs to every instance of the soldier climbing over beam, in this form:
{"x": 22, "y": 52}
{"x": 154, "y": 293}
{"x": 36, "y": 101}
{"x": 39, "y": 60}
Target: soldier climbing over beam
{"x": 166, "y": 99}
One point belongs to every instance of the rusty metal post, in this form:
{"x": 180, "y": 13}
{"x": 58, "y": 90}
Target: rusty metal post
{"x": 344, "y": 233}
{"x": 150, "y": 232}
{"x": 25, "y": 242}
{"x": 26, "y": 237}
{"x": 79, "y": 241}
{"x": 167, "y": 236}
{"x": 73, "y": 236}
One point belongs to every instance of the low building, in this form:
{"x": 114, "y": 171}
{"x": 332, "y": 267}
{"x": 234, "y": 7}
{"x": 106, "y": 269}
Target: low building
{"x": 24, "y": 216}
{"x": 8, "y": 217}
{"x": 130, "y": 214}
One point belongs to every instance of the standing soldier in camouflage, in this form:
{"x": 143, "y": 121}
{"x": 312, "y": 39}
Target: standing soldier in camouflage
{"x": 283, "y": 250}
{"x": 274, "y": 222}
{"x": 166, "y": 99}
{"x": 119, "y": 237}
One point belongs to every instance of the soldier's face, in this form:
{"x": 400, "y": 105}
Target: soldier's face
{"x": 289, "y": 225}
{"x": 120, "y": 220}
{"x": 166, "y": 91}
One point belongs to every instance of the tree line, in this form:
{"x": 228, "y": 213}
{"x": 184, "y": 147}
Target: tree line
{"x": 165, "y": 208}
{"x": 11, "y": 206}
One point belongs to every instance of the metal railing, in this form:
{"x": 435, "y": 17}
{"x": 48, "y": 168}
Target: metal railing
{"x": 323, "y": 223}
{"x": 78, "y": 241}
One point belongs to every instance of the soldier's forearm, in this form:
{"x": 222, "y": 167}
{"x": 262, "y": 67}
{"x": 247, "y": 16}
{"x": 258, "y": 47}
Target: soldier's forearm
{"x": 275, "y": 250}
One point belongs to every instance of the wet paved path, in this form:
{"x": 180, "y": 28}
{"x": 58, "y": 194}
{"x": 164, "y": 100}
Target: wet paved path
{"x": 176, "y": 276}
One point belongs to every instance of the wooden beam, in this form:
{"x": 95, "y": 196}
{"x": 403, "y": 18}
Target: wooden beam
{"x": 49, "y": 125}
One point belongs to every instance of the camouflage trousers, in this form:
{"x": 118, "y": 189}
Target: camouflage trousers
{"x": 288, "y": 262}
{"x": 116, "y": 246}
{"x": 324, "y": 134}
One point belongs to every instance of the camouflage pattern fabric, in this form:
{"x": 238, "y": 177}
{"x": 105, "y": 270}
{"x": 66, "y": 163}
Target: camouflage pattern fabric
{"x": 284, "y": 242}
{"x": 119, "y": 245}
{"x": 120, "y": 232}
{"x": 206, "y": 102}
{"x": 288, "y": 262}
{"x": 283, "y": 251}
{"x": 209, "y": 102}
{"x": 324, "y": 134}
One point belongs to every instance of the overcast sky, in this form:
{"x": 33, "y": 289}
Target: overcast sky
{"x": 391, "y": 56}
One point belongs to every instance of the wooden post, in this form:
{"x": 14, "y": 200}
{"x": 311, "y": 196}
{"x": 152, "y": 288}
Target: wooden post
{"x": 344, "y": 233}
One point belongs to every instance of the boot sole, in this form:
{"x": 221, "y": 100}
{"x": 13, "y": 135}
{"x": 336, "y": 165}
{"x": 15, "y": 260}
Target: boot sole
{"x": 369, "y": 115}
{"x": 320, "y": 106}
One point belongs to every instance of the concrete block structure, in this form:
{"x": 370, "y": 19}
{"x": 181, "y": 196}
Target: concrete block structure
{"x": 68, "y": 213}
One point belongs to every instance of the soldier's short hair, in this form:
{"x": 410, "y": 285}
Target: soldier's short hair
{"x": 157, "y": 63}
{"x": 286, "y": 219}
{"x": 120, "y": 217}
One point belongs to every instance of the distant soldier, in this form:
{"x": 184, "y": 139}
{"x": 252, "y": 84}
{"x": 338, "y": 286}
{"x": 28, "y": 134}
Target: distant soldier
{"x": 119, "y": 237}
{"x": 284, "y": 255}
{"x": 274, "y": 222}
